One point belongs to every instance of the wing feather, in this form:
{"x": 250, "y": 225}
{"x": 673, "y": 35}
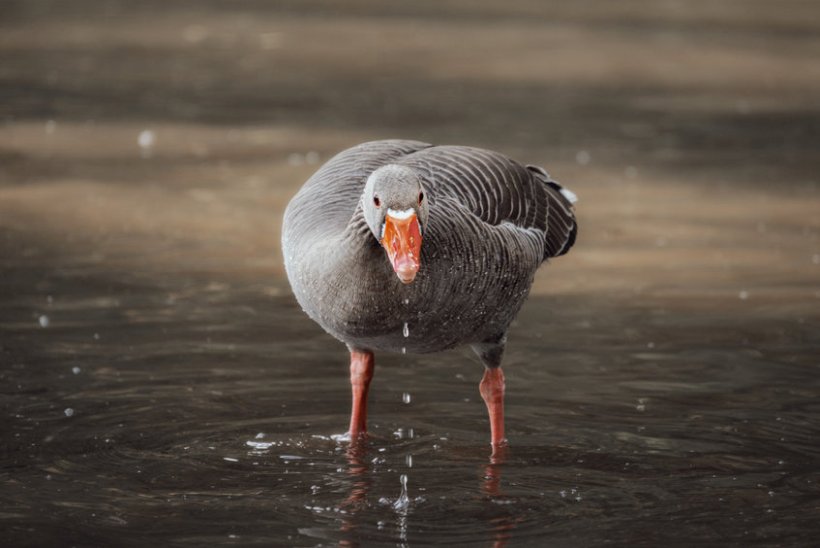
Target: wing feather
{"x": 499, "y": 191}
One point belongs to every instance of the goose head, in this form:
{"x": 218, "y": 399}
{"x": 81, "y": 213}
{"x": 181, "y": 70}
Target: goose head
{"x": 395, "y": 208}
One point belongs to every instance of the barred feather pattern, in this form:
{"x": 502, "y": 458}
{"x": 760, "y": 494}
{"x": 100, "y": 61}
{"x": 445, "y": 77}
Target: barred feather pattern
{"x": 492, "y": 222}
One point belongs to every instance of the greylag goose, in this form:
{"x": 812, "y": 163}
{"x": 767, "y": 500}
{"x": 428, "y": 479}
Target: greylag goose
{"x": 402, "y": 246}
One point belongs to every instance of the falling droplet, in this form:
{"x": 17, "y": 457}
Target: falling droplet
{"x": 406, "y": 398}
{"x": 44, "y": 321}
{"x": 69, "y": 412}
{"x": 403, "y": 350}
{"x": 403, "y": 501}
{"x": 406, "y": 301}
{"x": 406, "y": 330}
{"x": 76, "y": 370}
{"x": 409, "y": 461}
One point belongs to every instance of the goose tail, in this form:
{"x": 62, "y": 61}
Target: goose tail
{"x": 562, "y": 229}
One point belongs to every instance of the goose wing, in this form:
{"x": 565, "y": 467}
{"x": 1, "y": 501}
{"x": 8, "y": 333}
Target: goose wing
{"x": 499, "y": 192}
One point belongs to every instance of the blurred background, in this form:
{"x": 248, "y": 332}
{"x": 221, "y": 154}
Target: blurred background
{"x": 147, "y": 152}
{"x": 170, "y": 135}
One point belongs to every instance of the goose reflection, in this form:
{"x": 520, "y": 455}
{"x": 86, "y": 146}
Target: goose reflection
{"x": 358, "y": 472}
{"x": 500, "y": 521}
{"x": 500, "y": 526}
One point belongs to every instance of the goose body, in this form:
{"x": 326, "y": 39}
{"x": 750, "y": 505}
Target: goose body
{"x": 485, "y": 223}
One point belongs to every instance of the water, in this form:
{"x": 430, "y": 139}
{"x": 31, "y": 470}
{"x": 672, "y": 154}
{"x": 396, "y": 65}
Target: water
{"x": 160, "y": 384}
{"x": 217, "y": 422}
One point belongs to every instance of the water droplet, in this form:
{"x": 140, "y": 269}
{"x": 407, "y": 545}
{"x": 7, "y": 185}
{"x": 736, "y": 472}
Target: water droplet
{"x": 583, "y": 157}
{"x": 403, "y": 502}
{"x": 44, "y": 321}
{"x": 743, "y": 295}
{"x": 96, "y": 336}
{"x": 69, "y": 412}
{"x": 403, "y": 350}
{"x": 407, "y": 301}
{"x": 406, "y": 330}
{"x": 408, "y": 460}
{"x": 76, "y": 370}
{"x": 259, "y": 445}
{"x": 406, "y": 398}
{"x": 51, "y": 125}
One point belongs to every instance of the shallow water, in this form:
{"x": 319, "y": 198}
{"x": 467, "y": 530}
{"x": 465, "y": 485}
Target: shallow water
{"x": 203, "y": 414}
{"x": 159, "y": 384}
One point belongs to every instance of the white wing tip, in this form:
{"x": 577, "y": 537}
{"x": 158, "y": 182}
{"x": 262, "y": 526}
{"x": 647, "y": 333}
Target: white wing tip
{"x": 569, "y": 195}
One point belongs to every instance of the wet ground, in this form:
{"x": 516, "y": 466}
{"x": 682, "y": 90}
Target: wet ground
{"x": 160, "y": 385}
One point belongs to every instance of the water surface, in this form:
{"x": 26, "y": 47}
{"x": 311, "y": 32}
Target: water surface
{"x": 203, "y": 414}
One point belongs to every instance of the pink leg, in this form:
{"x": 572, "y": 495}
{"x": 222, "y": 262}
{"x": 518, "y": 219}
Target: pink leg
{"x": 361, "y": 372}
{"x": 492, "y": 390}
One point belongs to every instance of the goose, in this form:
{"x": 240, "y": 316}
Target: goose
{"x": 403, "y": 246}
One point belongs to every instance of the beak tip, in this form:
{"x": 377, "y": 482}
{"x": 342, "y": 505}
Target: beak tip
{"x": 407, "y": 274}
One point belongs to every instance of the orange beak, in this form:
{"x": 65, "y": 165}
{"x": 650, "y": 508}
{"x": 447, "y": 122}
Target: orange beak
{"x": 402, "y": 241}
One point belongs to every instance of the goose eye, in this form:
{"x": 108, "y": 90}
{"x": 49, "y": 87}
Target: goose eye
{"x": 421, "y": 197}
{"x": 376, "y": 201}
